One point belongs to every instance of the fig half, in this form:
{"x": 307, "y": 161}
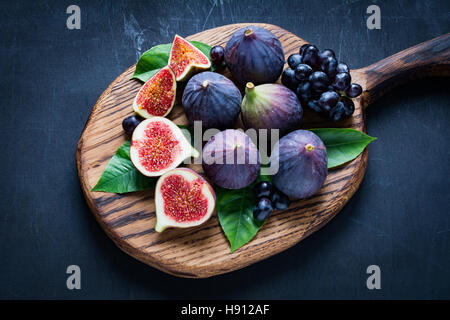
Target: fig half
{"x": 158, "y": 145}
{"x": 183, "y": 199}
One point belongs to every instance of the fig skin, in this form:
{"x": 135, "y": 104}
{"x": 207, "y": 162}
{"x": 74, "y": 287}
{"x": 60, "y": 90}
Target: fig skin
{"x": 254, "y": 54}
{"x": 236, "y": 146}
{"x": 271, "y": 106}
{"x": 213, "y": 99}
{"x": 302, "y": 160}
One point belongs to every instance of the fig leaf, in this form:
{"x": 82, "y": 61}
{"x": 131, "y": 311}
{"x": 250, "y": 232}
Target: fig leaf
{"x": 120, "y": 175}
{"x": 235, "y": 212}
{"x": 157, "y": 57}
{"x": 343, "y": 144}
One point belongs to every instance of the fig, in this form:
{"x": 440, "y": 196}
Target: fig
{"x": 158, "y": 145}
{"x": 254, "y": 54}
{"x": 271, "y": 106}
{"x": 302, "y": 164}
{"x": 213, "y": 99}
{"x": 231, "y": 159}
{"x": 186, "y": 59}
{"x": 157, "y": 95}
{"x": 183, "y": 199}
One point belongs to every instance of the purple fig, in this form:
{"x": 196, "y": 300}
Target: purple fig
{"x": 254, "y": 54}
{"x": 302, "y": 164}
{"x": 213, "y": 99}
{"x": 271, "y": 106}
{"x": 231, "y": 160}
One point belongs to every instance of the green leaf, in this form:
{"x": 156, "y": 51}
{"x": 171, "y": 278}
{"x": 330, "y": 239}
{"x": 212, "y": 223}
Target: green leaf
{"x": 342, "y": 144}
{"x": 235, "y": 211}
{"x": 120, "y": 175}
{"x": 157, "y": 57}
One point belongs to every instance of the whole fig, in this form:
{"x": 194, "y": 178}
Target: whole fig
{"x": 271, "y": 106}
{"x": 302, "y": 164}
{"x": 254, "y": 54}
{"x": 213, "y": 99}
{"x": 231, "y": 160}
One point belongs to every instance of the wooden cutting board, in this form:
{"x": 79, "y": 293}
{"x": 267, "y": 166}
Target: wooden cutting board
{"x": 204, "y": 251}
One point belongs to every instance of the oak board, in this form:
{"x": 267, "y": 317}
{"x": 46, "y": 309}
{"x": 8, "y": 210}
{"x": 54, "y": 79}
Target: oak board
{"x": 204, "y": 251}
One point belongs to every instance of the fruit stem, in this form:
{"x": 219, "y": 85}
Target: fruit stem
{"x": 309, "y": 147}
{"x": 205, "y": 84}
{"x": 249, "y": 90}
{"x": 248, "y": 32}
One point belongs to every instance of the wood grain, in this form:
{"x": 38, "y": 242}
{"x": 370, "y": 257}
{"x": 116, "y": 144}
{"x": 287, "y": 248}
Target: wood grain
{"x": 204, "y": 251}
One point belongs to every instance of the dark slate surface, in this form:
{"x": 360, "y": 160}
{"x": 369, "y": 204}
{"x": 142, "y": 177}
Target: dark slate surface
{"x": 51, "y": 77}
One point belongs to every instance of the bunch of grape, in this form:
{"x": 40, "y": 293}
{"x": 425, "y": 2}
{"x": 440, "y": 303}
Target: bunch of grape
{"x": 321, "y": 82}
{"x": 268, "y": 198}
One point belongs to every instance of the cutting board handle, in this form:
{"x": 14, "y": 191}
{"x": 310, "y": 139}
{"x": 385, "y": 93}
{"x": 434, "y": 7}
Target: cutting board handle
{"x": 429, "y": 58}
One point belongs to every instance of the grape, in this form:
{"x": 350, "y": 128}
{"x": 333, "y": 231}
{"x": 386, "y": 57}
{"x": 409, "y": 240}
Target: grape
{"x": 342, "y": 81}
{"x": 130, "y": 123}
{"x": 294, "y": 60}
{"x": 314, "y": 106}
{"x": 325, "y": 54}
{"x": 217, "y": 55}
{"x": 302, "y": 72}
{"x": 338, "y": 112}
{"x": 353, "y": 90}
{"x": 328, "y": 66}
{"x": 310, "y": 56}
{"x": 263, "y": 209}
{"x": 319, "y": 80}
{"x": 328, "y": 100}
{"x": 302, "y": 48}
{"x": 279, "y": 200}
{"x": 349, "y": 106}
{"x": 288, "y": 79}
{"x": 342, "y": 67}
{"x": 304, "y": 91}
{"x": 262, "y": 189}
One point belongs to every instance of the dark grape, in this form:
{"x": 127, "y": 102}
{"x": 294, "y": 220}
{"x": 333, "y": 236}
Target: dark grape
{"x": 302, "y": 72}
{"x": 353, "y": 90}
{"x": 262, "y": 189}
{"x": 328, "y": 66}
{"x": 288, "y": 79}
{"x": 279, "y": 200}
{"x": 302, "y": 48}
{"x": 342, "y": 81}
{"x": 314, "y": 106}
{"x": 130, "y": 123}
{"x": 342, "y": 67}
{"x": 217, "y": 55}
{"x": 328, "y": 100}
{"x": 304, "y": 91}
{"x": 338, "y": 112}
{"x": 294, "y": 60}
{"x": 311, "y": 56}
{"x": 325, "y": 54}
{"x": 319, "y": 80}
{"x": 349, "y": 106}
{"x": 262, "y": 210}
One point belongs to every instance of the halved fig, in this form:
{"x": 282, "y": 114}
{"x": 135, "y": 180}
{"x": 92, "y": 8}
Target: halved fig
{"x": 158, "y": 145}
{"x": 185, "y": 58}
{"x": 183, "y": 199}
{"x": 157, "y": 96}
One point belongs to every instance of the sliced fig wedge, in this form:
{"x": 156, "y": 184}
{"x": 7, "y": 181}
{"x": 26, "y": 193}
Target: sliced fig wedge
{"x": 157, "y": 95}
{"x": 158, "y": 145}
{"x": 183, "y": 199}
{"x": 185, "y": 59}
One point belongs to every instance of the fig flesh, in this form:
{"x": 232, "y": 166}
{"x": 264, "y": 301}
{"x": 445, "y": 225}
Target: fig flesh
{"x": 302, "y": 160}
{"x": 158, "y": 145}
{"x": 183, "y": 199}
{"x": 231, "y": 159}
{"x": 186, "y": 59}
{"x": 212, "y": 99}
{"x": 254, "y": 54}
{"x": 157, "y": 95}
{"x": 271, "y": 106}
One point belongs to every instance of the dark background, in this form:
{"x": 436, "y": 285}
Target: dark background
{"x": 51, "y": 77}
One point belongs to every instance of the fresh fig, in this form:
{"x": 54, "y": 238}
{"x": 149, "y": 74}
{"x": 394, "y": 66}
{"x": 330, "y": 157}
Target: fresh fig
{"x": 302, "y": 161}
{"x": 213, "y": 99}
{"x": 158, "y": 145}
{"x": 231, "y": 160}
{"x": 186, "y": 59}
{"x": 157, "y": 95}
{"x": 254, "y": 54}
{"x": 183, "y": 199}
{"x": 271, "y": 106}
